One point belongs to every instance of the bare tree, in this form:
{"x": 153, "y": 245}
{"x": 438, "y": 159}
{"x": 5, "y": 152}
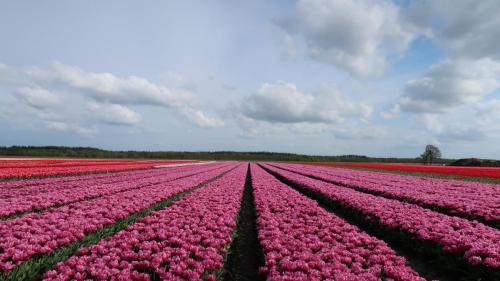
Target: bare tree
{"x": 430, "y": 154}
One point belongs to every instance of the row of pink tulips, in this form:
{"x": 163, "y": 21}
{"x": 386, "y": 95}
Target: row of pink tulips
{"x": 302, "y": 241}
{"x": 34, "y": 186}
{"x": 56, "y": 184}
{"x": 426, "y": 184}
{"x": 84, "y": 191}
{"x": 477, "y": 242}
{"x": 41, "y": 233}
{"x": 466, "y": 199}
{"x": 185, "y": 241}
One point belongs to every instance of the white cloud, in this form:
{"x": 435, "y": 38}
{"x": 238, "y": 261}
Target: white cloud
{"x": 281, "y": 109}
{"x": 107, "y": 87}
{"x": 69, "y": 127}
{"x": 488, "y": 108}
{"x": 354, "y": 35}
{"x": 393, "y": 113}
{"x": 38, "y": 97}
{"x": 282, "y": 102}
{"x": 468, "y": 28}
{"x": 252, "y": 128}
{"x": 201, "y": 119}
{"x": 453, "y": 99}
{"x": 114, "y": 114}
{"x": 451, "y": 84}
{"x": 95, "y": 97}
{"x": 447, "y": 131}
{"x": 487, "y": 117}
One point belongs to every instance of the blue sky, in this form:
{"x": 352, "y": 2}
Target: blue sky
{"x": 328, "y": 77}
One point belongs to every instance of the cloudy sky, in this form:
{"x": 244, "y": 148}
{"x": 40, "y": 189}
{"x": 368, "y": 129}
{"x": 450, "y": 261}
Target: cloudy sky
{"x": 373, "y": 77}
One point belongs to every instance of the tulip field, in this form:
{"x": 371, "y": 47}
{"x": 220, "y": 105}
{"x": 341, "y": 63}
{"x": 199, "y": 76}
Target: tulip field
{"x": 241, "y": 221}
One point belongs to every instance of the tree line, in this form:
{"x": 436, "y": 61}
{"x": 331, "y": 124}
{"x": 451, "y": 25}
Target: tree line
{"x": 90, "y": 152}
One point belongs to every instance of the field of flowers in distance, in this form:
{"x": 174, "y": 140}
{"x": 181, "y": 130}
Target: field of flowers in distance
{"x": 73, "y": 219}
{"x": 466, "y": 172}
{"x": 35, "y": 167}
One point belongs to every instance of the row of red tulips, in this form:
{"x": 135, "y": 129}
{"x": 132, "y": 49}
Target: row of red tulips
{"x": 479, "y": 172}
{"x": 186, "y": 241}
{"x": 9, "y": 171}
{"x": 59, "y": 162}
{"x": 302, "y": 241}
{"x": 476, "y": 242}
{"x": 41, "y": 233}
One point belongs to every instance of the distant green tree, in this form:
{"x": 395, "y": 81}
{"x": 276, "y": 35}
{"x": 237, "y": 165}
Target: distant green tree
{"x": 430, "y": 154}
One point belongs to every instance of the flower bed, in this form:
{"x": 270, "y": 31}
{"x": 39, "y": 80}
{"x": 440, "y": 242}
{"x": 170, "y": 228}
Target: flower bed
{"x": 476, "y": 242}
{"x": 45, "y": 197}
{"x": 35, "y": 234}
{"x": 302, "y": 241}
{"x": 186, "y": 241}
